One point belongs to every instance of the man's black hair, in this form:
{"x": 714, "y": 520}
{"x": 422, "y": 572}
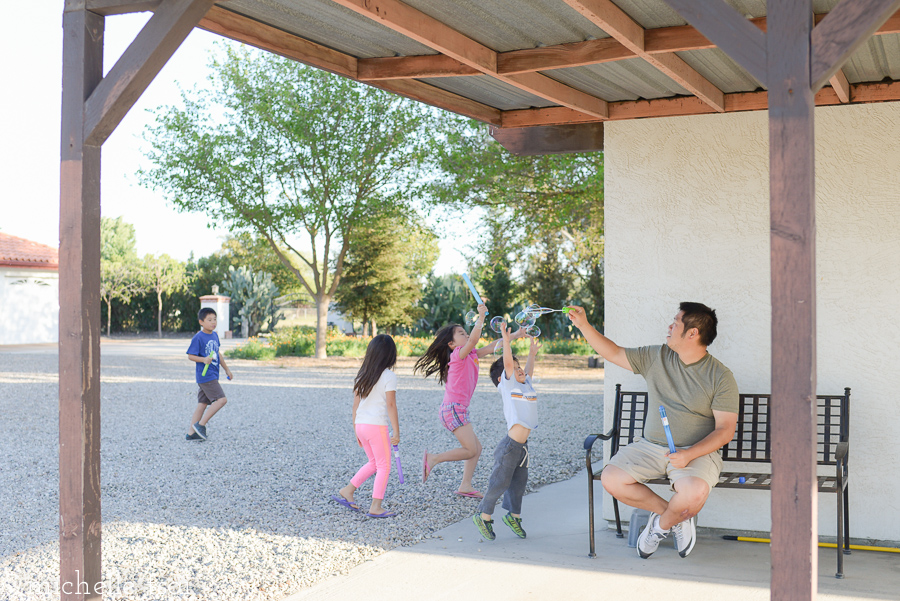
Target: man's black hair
{"x": 698, "y": 315}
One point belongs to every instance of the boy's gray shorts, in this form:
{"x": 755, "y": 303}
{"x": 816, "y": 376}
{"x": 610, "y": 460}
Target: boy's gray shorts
{"x": 210, "y": 392}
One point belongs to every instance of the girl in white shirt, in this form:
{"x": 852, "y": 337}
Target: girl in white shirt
{"x": 374, "y": 407}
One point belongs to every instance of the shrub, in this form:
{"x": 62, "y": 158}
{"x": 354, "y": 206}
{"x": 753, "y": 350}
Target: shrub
{"x": 254, "y": 348}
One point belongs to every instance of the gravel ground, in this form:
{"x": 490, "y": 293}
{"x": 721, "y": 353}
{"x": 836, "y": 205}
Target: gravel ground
{"x": 246, "y": 514}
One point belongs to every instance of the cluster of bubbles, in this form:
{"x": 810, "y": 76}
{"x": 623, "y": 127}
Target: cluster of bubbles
{"x": 526, "y": 319}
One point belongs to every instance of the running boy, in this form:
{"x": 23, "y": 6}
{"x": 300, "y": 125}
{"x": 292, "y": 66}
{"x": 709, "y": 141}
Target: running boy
{"x": 510, "y": 473}
{"x": 204, "y": 351}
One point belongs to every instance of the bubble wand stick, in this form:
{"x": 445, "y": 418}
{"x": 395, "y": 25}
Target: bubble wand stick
{"x": 665, "y": 421}
{"x": 205, "y": 367}
{"x": 472, "y": 288}
{"x": 397, "y": 459}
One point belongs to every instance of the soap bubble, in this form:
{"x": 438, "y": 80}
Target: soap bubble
{"x": 498, "y": 350}
{"x": 533, "y": 331}
{"x": 495, "y": 323}
{"x": 471, "y": 318}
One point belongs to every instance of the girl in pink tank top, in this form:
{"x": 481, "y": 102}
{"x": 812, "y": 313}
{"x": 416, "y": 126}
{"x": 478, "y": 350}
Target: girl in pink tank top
{"x": 454, "y": 358}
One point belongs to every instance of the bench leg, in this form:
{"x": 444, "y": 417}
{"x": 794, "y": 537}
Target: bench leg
{"x": 591, "y": 512}
{"x": 846, "y": 521}
{"x": 618, "y": 521}
{"x": 840, "y": 535}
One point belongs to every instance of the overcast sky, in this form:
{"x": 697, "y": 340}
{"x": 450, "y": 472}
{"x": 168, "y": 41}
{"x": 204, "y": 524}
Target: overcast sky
{"x": 29, "y": 154}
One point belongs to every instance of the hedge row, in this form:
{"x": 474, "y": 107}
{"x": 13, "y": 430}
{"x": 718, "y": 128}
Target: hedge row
{"x": 301, "y": 342}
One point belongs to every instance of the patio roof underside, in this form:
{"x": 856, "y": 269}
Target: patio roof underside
{"x": 540, "y": 62}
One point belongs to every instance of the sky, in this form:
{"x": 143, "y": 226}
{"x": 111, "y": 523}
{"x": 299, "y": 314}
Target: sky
{"x": 29, "y": 156}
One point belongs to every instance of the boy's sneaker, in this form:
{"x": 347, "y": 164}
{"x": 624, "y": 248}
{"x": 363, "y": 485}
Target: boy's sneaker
{"x": 514, "y": 523}
{"x": 192, "y": 436}
{"x": 200, "y": 430}
{"x": 648, "y": 541}
{"x": 685, "y": 536}
{"x": 486, "y": 527}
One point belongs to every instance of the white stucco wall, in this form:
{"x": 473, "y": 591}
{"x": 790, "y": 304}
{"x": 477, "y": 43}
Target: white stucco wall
{"x": 29, "y": 306}
{"x": 687, "y": 218}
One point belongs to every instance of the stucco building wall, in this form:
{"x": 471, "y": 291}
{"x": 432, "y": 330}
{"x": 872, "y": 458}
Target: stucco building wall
{"x": 687, "y": 218}
{"x": 29, "y": 306}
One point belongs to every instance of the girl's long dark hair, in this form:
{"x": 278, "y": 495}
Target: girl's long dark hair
{"x": 437, "y": 357}
{"x": 381, "y": 354}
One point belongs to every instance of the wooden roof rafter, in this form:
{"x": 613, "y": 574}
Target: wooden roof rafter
{"x": 427, "y": 30}
{"x": 617, "y": 23}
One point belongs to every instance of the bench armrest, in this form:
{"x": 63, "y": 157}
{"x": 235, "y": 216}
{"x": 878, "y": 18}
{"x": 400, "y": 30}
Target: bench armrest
{"x": 840, "y": 452}
{"x": 592, "y": 438}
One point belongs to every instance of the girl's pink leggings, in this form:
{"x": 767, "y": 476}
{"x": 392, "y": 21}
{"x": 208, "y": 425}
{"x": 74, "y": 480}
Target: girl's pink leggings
{"x": 377, "y": 445}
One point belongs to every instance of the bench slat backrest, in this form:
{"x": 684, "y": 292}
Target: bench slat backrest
{"x": 751, "y": 441}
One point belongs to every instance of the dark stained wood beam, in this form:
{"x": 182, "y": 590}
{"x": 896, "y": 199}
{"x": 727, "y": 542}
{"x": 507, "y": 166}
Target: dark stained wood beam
{"x": 259, "y": 35}
{"x": 412, "y": 67}
{"x": 120, "y": 7}
{"x": 728, "y": 30}
{"x": 839, "y": 34}
{"x": 792, "y": 207}
{"x": 139, "y": 64}
{"x": 550, "y": 139}
{"x": 427, "y": 30}
{"x": 79, "y": 311}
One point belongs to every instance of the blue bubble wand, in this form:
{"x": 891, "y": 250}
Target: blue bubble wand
{"x": 472, "y": 288}
{"x": 665, "y": 421}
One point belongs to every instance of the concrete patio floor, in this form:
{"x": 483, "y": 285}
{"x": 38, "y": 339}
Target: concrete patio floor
{"x": 552, "y": 563}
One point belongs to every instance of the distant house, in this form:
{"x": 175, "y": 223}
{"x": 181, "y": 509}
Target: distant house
{"x": 29, "y": 291}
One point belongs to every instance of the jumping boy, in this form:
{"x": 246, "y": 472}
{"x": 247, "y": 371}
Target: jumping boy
{"x": 204, "y": 351}
{"x": 510, "y": 473}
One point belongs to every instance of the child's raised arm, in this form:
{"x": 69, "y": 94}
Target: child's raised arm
{"x": 489, "y": 349}
{"x": 532, "y": 354}
{"x": 475, "y": 334}
{"x": 509, "y": 364}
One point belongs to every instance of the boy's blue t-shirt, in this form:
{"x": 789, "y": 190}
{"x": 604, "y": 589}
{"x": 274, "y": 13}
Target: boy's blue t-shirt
{"x": 202, "y": 344}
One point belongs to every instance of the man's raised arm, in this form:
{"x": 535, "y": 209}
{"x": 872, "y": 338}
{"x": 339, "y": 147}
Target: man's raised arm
{"x": 606, "y": 348}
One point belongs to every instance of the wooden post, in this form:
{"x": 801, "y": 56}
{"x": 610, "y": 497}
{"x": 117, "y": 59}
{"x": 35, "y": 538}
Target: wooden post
{"x": 79, "y": 315}
{"x": 793, "y": 232}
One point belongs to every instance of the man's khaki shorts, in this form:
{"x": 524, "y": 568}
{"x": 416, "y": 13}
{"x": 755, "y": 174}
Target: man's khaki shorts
{"x": 644, "y": 460}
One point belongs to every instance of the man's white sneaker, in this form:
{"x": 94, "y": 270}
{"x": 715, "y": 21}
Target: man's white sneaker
{"x": 685, "y": 536}
{"x": 648, "y": 541}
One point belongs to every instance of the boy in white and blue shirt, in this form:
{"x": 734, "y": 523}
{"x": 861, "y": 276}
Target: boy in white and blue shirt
{"x": 510, "y": 473}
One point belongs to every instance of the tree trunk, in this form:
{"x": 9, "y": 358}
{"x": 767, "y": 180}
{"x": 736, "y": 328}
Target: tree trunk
{"x": 321, "y": 325}
{"x": 109, "y": 316}
{"x": 374, "y": 329}
{"x": 159, "y": 315}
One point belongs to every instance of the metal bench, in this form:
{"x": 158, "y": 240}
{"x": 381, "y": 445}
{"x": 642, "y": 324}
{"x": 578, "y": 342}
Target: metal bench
{"x": 750, "y": 444}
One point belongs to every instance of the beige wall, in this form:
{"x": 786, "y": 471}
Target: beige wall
{"x": 687, "y": 219}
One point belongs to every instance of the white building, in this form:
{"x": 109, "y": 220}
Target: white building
{"x": 687, "y": 219}
{"x": 29, "y": 291}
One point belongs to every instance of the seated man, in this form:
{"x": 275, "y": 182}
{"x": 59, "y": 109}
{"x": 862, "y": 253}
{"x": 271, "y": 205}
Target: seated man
{"x": 700, "y": 396}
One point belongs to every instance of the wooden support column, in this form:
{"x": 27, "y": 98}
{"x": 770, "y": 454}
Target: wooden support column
{"x": 793, "y": 260}
{"x": 79, "y": 314}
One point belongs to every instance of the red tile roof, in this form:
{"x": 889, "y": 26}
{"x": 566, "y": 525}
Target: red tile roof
{"x": 19, "y": 252}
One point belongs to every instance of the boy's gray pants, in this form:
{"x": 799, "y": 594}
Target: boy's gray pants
{"x": 509, "y": 476}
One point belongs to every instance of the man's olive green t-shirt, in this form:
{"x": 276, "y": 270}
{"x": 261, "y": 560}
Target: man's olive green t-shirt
{"x": 689, "y": 393}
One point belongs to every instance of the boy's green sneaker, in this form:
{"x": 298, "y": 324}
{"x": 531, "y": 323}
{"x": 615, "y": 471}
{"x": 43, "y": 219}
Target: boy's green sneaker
{"x": 486, "y": 527}
{"x": 514, "y": 523}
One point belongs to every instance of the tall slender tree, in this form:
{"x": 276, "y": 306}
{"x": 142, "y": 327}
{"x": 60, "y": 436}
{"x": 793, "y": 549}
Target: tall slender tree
{"x": 294, "y": 154}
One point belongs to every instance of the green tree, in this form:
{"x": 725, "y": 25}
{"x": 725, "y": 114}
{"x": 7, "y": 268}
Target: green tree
{"x": 385, "y": 266}
{"x": 163, "y": 275}
{"x": 255, "y": 293}
{"x": 296, "y": 155}
{"x": 118, "y": 242}
{"x": 533, "y": 200}
{"x": 445, "y": 300}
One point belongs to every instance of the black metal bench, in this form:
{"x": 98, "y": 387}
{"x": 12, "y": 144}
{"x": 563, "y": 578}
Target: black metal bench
{"x": 750, "y": 444}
